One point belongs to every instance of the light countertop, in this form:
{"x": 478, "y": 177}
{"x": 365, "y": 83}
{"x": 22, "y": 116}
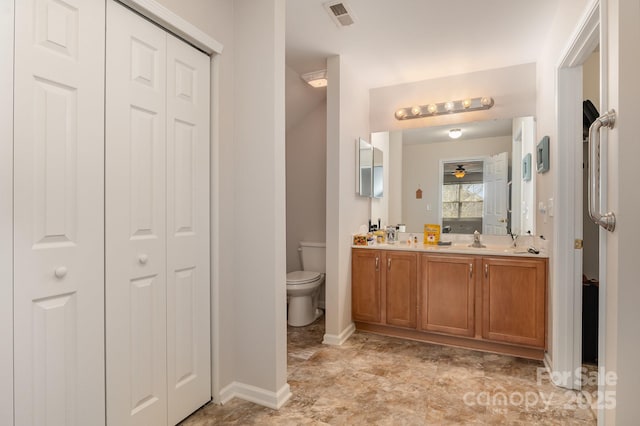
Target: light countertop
{"x": 489, "y": 250}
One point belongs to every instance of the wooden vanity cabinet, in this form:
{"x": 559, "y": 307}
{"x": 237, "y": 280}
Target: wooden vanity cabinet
{"x": 366, "y": 296}
{"x": 514, "y": 300}
{"x": 447, "y": 294}
{"x": 400, "y": 288}
{"x": 383, "y": 287}
{"x": 490, "y": 303}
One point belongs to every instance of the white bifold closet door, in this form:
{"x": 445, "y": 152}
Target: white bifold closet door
{"x": 157, "y": 223}
{"x": 59, "y": 212}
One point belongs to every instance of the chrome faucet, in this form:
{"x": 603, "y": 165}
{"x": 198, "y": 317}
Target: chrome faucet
{"x": 514, "y": 237}
{"x": 476, "y": 240}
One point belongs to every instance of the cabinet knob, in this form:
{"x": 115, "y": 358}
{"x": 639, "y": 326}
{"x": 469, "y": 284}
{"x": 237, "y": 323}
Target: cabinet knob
{"x": 486, "y": 270}
{"x": 60, "y": 272}
{"x": 142, "y": 259}
{"x": 471, "y": 270}
{"x": 389, "y": 264}
{"x": 377, "y": 262}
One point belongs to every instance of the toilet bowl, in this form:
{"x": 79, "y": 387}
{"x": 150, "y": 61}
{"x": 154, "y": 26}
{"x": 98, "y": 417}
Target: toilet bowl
{"x": 302, "y": 292}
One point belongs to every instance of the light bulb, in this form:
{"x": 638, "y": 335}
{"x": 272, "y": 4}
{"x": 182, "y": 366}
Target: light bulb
{"x": 432, "y": 108}
{"x": 449, "y": 106}
{"x": 416, "y": 110}
{"x": 466, "y": 103}
{"x": 486, "y": 101}
{"x": 401, "y": 113}
{"x": 455, "y": 133}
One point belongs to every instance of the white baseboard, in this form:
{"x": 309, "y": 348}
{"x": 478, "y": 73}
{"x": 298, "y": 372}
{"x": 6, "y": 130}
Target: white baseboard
{"x": 256, "y": 395}
{"x": 337, "y": 340}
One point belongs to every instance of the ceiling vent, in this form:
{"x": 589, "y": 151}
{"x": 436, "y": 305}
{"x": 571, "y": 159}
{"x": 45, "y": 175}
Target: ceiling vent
{"x": 340, "y": 12}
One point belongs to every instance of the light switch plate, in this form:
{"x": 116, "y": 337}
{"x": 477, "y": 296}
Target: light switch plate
{"x": 550, "y": 207}
{"x": 542, "y": 208}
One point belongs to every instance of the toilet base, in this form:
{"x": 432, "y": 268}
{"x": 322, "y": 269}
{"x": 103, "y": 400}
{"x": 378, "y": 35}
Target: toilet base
{"x": 301, "y": 311}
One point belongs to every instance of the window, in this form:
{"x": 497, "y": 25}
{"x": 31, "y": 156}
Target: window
{"x": 462, "y": 200}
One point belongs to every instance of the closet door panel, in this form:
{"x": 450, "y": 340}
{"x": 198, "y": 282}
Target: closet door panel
{"x": 58, "y": 212}
{"x": 188, "y": 311}
{"x": 135, "y": 220}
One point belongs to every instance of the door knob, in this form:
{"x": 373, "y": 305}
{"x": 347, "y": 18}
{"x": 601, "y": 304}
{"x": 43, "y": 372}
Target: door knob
{"x": 60, "y": 271}
{"x": 143, "y": 258}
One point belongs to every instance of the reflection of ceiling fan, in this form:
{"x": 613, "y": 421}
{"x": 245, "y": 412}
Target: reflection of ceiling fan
{"x": 459, "y": 172}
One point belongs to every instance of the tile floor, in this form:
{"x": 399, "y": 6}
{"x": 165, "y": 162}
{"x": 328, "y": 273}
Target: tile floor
{"x": 377, "y": 380}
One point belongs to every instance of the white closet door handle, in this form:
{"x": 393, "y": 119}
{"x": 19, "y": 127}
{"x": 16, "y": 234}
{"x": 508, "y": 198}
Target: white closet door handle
{"x": 606, "y": 220}
{"x": 60, "y": 271}
{"x": 142, "y": 259}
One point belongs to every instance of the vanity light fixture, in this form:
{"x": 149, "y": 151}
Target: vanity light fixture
{"x": 459, "y": 172}
{"x": 455, "y": 133}
{"x": 316, "y": 78}
{"x": 448, "y": 107}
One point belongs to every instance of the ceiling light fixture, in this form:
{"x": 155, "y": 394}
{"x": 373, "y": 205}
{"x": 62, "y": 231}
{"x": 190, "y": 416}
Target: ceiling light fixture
{"x": 459, "y": 172}
{"x": 455, "y": 133}
{"x": 316, "y": 78}
{"x": 449, "y": 107}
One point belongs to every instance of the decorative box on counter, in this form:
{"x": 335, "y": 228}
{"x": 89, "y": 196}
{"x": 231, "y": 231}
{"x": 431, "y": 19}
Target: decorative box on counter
{"x": 360, "y": 240}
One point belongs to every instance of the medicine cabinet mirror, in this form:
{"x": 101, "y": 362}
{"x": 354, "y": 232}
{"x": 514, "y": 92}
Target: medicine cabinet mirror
{"x": 370, "y": 175}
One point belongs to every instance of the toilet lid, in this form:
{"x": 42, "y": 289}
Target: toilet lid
{"x": 302, "y": 277}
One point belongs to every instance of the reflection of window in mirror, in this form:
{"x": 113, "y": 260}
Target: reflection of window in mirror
{"x": 462, "y": 197}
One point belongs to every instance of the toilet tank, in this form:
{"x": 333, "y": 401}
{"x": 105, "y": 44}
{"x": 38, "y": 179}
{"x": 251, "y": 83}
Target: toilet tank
{"x": 312, "y": 256}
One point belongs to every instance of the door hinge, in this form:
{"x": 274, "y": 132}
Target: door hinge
{"x": 577, "y": 244}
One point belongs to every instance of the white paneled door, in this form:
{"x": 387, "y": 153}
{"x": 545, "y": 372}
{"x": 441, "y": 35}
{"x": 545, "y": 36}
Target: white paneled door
{"x": 495, "y": 171}
{"x": 188, "y": 313}
{"x": 135, "y": 220}
{"x": 58, "y": 212}
{"x": 157, "y": 232}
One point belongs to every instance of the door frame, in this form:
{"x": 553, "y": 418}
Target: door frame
{"x": 566, "y": 356}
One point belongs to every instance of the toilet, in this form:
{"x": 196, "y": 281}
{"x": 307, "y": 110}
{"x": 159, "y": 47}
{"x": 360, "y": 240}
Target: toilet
{"x": 303, "y": 286}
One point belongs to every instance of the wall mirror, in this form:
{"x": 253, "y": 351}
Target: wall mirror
{"x": 491, "y": 196}
{"x": 365, "y": 168}
{"x": 370, "y": 170}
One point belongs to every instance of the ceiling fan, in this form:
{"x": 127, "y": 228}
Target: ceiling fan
{"x": 459, "y": 172}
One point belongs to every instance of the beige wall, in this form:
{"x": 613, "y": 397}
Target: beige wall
{"x": 347, "y": 119}
{"x": 513, "y": 89}
{"x": 259, "y": 150}
{"x": 306, "y": 182}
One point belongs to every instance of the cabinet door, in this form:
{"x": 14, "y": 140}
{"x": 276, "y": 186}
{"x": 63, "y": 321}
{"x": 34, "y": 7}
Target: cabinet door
{"x": 401, "y": 288}
{"x": 447, "y": 294}
{"x": 513, "y": 300}
{"x": 58, "y": 296}
{"x": 365, "y": 285}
